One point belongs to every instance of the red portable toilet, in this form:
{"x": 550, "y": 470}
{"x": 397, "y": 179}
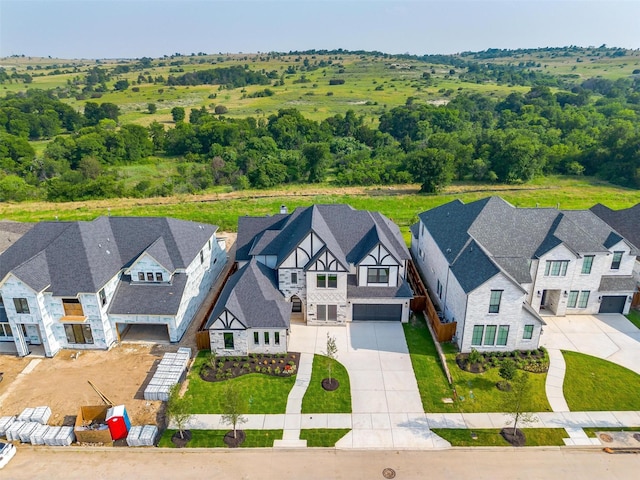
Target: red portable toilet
{"x": 118, "y": 422}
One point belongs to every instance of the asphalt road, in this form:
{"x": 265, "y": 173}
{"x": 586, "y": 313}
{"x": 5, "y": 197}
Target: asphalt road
{"x": 477, "y": 464}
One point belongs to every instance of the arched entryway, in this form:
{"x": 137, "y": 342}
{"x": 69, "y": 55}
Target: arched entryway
{"x": 297, "y": 309}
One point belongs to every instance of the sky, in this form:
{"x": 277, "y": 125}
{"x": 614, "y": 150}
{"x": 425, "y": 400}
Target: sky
{"x": 152, "y": 28}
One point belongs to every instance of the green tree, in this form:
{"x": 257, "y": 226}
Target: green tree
{"x": 152, "y": 108}
{"x": 234, "y": 407}
{"x": 514, "y": 401}
{"x": 317, "y": 156}
{"x": 331, "y": 352}
{"x": 178, "y": 114}
{"x": 121, "y": 85}
{"x": 432, "y": 167}
{"x": 178, "y": 409}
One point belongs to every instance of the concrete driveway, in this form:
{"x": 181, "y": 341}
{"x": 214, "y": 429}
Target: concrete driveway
{"x": 611, "y": 337}
{"x": 387, "y": 410}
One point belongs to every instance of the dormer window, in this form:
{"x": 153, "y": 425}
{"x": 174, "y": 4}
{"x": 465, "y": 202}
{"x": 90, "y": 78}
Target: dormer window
{"x": 378, "y": 275}
{"x": 141, "y": 276}
{"x": 158, "y": 276}
{"x": 149, "y": 276}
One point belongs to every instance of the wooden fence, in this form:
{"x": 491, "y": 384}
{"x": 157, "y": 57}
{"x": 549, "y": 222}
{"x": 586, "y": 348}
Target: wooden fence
{"x": 202, "y": 340}
{"x": 636, "y": 300}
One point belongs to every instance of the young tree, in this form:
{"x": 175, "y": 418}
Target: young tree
{"x": 178, "y": 409}
{"x": 514, "y": 403}
{"x": 331, "y": 352}
{"x": 234, "y": 406}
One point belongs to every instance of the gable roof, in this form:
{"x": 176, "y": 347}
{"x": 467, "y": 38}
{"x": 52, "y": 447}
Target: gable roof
{"x": 252, "y": 296}
{"x": 348, "y": 234}
{"x": 626, "y": 221}
{"x": 509, "y": 237}
{"x": 73, "y": 257}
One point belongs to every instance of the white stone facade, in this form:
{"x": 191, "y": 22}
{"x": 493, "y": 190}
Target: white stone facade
{"x": 265, "y": 340}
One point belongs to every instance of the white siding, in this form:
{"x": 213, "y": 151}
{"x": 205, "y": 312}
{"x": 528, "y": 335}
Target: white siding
{"x": 147, "y": 264}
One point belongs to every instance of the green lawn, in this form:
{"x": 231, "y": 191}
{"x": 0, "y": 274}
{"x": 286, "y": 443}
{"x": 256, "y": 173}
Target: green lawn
{"x": 317, "y": 399}
{"x": 492, "y": 438}
{"x": 634, "y": 317}
{"x": 265, "y": 394}
{"x": 323, "y": 437}
{"x": 476, "y": 392}
{"x": 214, "y": 438}
{"x": 594, "y": 384}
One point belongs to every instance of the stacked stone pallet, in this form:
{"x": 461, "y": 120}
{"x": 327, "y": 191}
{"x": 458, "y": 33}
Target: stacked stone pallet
{"x": 142, "y": 436}
{"x": 5, "y": 423}
{"x": 169, "y": 372}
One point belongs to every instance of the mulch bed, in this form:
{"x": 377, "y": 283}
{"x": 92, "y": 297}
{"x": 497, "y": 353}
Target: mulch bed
{"x": 179, "y": 441}
{"x": 532, "y": 361}
{"x": 274, "y": 365}
{"x": 330, "y": 384}
{"x": 232, "y": 442}
{"x": 503, "y": 386}
{"x": 517, "y": 440}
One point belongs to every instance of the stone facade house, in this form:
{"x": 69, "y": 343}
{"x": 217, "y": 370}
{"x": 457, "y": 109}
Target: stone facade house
{"x": 80, "y": 285}
{"x": 320, "y": 265}
{"x": 497, "y": 270}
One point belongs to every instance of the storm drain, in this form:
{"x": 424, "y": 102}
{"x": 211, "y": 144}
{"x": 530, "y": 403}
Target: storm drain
{"x": 389, "y": 473}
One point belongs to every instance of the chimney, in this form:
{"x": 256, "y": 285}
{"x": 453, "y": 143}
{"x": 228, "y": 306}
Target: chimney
{"x": 283, "y": 209}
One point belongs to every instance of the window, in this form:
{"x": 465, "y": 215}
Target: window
{"x": 72, "y": 307}
{"x": 294, "y": 278}
{"x": 21, "y": 304}
{"x": 494, "y": 301}
{"x": 378, "y": 275}
{"x": 209, "y": 243}
{"x": 327, "y": 281}
{"x": 439, "y": 289}
{"x": 328, "y": 313}
{"x": 256, "y": 338}
{"x": 78, "y": 333}
{"x": 617, "y": 259}
{"x": 103, "y": 297}
{"x": 572, "y": 301}
{"x": 490, "y": 335}
{"x": 201, "y": 256}
{"x": 266, "y": 338}
{"x": 476, "y": 339}
{"x": 228, "y": 340}
{"x": 587, "y": 263}
{"x": 276, "y": 338}
{"x": 149, "y": 276}
{"x": 528, "y": 332}
{"x": 503, "y": 334}
{"x": 583, "y": 299}
{"x": 556, "y": 268}
{"x": 5, "y": 330}
{"x": 141, "y": 276}
{"x": 158, "y": 276}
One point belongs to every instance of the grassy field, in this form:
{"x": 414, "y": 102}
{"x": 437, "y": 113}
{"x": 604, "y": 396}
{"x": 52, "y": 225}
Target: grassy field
{"x": 372, "y": 84}
{"x": 215, "y": 438}
{"x": 594, "y": 384}
{"x": 401, "y": 203}
{"x": 264, "y": 394}
{"x": 634, "y": 317}
{"x": 323, "y": 437}
{"x": 536, "y": 437}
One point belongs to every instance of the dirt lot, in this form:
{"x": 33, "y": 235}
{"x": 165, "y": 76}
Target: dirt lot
{"x": 61, "y": 382}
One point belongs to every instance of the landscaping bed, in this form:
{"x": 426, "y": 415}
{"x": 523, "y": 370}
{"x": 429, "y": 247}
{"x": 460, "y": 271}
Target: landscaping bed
{"x": 534, "y": 361}
{"x": 319, "y": 400}
{"x": 218, "y": 368}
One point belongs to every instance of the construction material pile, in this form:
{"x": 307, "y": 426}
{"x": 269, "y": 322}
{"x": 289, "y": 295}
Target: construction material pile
{"x": 169, "y": 372}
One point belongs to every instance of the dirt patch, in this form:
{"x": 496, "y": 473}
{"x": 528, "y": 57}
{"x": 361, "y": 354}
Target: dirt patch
{"x": 330, "y": 384}
{"x": 61, "y": 382}
{"x": 11, "y": 367}
{"x": 516, "y": 439}
{"x": 181, "y": 440}
{"x": 234, "y": 442}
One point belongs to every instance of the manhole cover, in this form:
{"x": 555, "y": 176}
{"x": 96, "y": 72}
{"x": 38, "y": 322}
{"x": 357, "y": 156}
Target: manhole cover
{"x": 606, "y": 438}
{"x": 389, "y": 473}
{"x": 637, "y": 436}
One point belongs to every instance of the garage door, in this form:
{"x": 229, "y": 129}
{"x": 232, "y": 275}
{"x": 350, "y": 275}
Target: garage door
{"x": 377, "y": 312}
{"x": 613, "y": 304}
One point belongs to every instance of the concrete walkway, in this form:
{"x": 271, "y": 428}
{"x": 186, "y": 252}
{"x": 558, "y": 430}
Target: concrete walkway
{"x": 555, "y": 380}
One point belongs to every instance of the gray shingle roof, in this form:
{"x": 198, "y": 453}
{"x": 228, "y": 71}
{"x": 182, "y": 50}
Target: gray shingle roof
{"x": 402, "y": 290}
{"x": 625, "y": 221}
{"x": 349, "y": 234}
{"x": 509, "y": 236}
{"x": 252, "y": 296}
{"x": 617, "y": 283}
{"x": 148, "y": 298}
{"x": 73, "y": 257}
{"x": 10, "y": 232}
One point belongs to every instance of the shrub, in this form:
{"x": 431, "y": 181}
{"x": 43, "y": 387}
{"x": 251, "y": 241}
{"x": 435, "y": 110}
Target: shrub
{"x": 475, "y": 356}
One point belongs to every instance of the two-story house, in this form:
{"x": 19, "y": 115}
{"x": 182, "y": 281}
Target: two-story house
{"x": 80, "y": 285}
{"x": 324, "y": 264}
{"x": 497, "y": 270}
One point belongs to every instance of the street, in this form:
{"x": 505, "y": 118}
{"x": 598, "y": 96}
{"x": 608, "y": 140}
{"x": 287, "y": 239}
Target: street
{"x": 478, "y": 463}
